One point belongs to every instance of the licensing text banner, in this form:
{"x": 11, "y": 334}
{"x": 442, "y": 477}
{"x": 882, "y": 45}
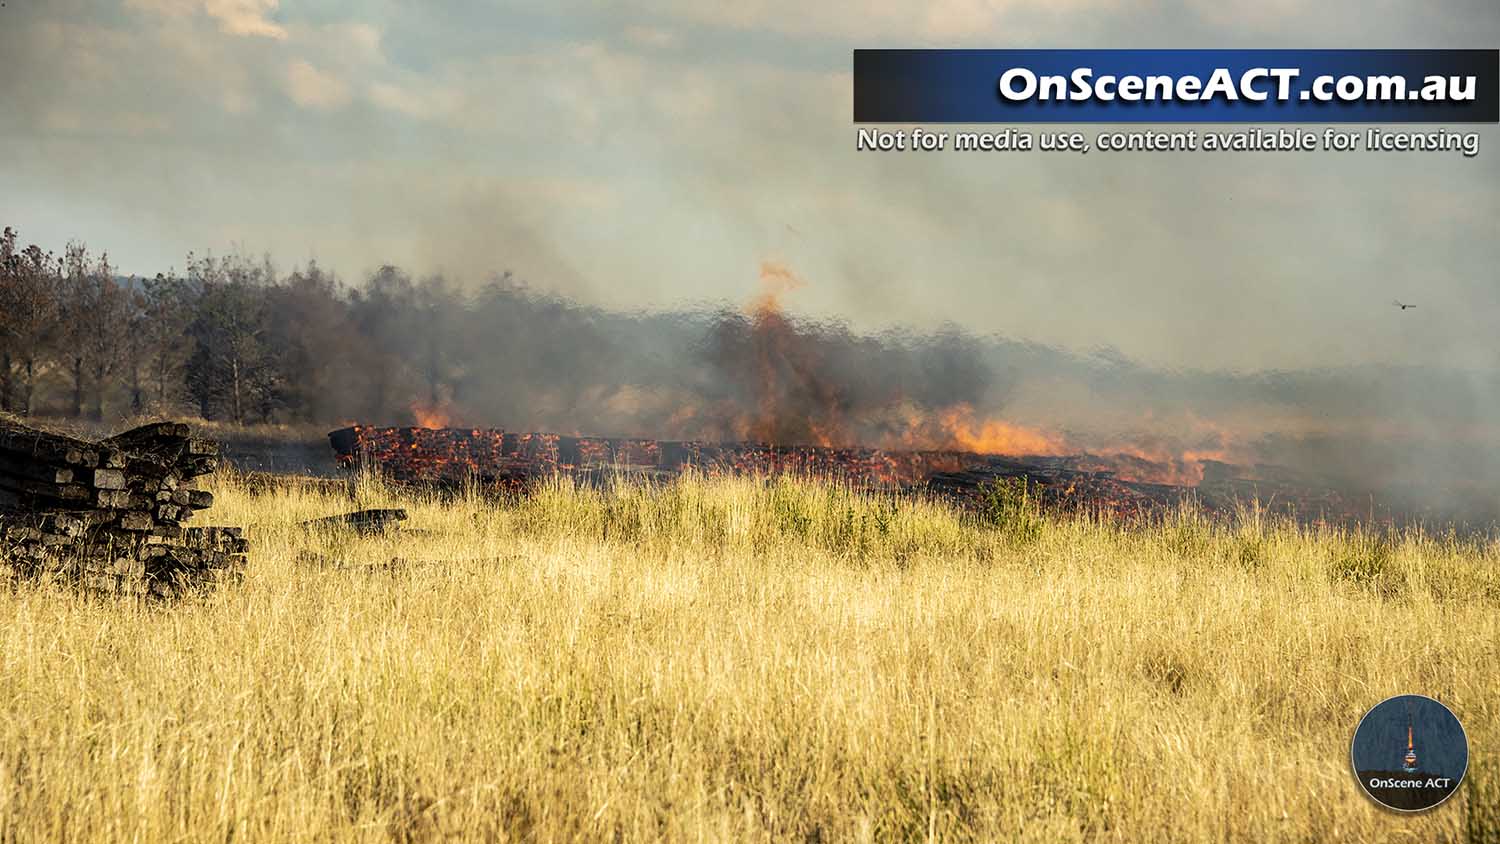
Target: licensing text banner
{"x": 1177, "y": 86}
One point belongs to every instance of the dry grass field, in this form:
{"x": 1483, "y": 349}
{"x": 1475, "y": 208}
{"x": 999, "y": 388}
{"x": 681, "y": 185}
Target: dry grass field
{"x": 728, "y": 660}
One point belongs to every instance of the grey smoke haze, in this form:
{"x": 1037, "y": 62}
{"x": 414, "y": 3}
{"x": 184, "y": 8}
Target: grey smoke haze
{"x": 655, "y": 155}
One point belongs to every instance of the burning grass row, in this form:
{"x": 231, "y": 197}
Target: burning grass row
{"x": 509, "y": 460}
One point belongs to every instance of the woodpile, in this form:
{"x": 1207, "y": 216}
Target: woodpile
{"x": 108, "y": 515}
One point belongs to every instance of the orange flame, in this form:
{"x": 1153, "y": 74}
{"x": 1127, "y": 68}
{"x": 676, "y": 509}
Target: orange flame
{"x": 776, "y": 280}
{"x": 965, "y": 432}
{"x": 790, "y": 395}
{"x": 427, "y": 415}
{"x": 795, "y": 401}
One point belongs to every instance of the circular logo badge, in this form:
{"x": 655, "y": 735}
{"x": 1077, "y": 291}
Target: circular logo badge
{"x": 1410, "y": 753}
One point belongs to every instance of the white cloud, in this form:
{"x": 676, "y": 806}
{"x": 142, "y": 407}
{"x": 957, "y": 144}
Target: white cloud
{"x": 419, "y": 102}
{"x": 245, "y": 17}
{"x": 237, "y": 100}
{"x": 651, "y": 36}
{"x": 364, "y": 37}
{"x": 1260, "y": 16}
{"x": 312, "y": 88}
{"x": 344, "y": 44}
{"x": 63, "y": 120}
{"x": 941, "y": 20}
{"x": 234, "y": 17}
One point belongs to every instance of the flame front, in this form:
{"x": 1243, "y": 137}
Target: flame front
{"x": 793, "y": 399}
{"x": 782, "y": 381}
{"x": 431, "y": 415}
{"x": 966, "y": 432}
{"x": 793, "y": 388}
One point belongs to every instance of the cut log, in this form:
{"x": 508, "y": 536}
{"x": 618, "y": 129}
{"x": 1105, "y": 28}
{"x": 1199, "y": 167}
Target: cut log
{"x": 361, "y": 521}
{"x": 108, "y": 479}
{"x": 43, "y": 491}
{"x": 137, "y": 522}
{"x": 29, "y": 469}
{"x": 149, "y": 437}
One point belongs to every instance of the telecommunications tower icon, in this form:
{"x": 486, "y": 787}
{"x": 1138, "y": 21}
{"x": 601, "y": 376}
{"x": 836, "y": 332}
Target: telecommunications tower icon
{"x": 1409, "y": 761}
{"x": 1386, "y": 760}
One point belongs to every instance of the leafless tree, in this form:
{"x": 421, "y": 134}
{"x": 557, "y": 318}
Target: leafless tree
{"x": 96, "y": 325}
{"x": 231, "y": 369}
{"x": 28, "y": 320}
{"x": 161, "y": 344}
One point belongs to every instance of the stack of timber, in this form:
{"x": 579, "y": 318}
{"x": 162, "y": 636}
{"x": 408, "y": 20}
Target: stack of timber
{"x": 108, "y": 516}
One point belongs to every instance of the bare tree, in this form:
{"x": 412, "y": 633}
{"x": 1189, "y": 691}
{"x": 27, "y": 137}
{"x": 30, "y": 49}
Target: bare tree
{"x": 9, "y": 269}
{"x": 227, "y": 372}
{"x": 96, "y": 325}
{"x": 29, "y": 280}
{"x": 161, "y": 341}
{"x": 70, "y": 309}
{"x": 135, "y": 343}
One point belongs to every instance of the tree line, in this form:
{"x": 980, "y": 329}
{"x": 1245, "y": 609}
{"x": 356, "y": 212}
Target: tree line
{"x": 232, "y": 339}
{"x": 228, "y": 338}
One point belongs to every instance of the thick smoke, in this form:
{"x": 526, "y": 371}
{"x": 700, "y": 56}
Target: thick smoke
{"x": 510, "y": 357}
{"x": 769, "y": 376}
{"x": 1419, "y": 439}
{"x": 234, "y": 340}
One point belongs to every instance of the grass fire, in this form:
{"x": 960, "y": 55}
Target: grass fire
{"x": 790, "y": 581}
{"x": 520, "y": 423}
{"x": 427, "y": 626}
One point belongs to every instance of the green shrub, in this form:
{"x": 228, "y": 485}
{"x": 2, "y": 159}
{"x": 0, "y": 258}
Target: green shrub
{"x": 1007, "y": 505}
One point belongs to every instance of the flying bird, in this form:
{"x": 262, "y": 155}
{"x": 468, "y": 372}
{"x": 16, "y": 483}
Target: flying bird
{"x": 1398, "y": 303}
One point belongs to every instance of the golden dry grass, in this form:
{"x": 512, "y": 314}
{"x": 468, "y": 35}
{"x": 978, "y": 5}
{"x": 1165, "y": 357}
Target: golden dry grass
{"x": 728, "y": 660}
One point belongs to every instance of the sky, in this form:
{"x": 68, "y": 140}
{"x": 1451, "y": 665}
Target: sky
{"x": 654, "y": 155}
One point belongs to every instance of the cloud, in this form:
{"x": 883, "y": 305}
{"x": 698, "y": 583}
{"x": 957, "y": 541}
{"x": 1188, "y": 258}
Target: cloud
{"x": 420, "y": 102}
{"x": 245, "y": 17}
{"x": 312, "y": 88}
{"x": 235, "y": 17}
{"x": 650, "y": 36}
{"x": 346, "y": 44}
{"x": 63, "y": 120}
{"x": 236, "y": 101}
{"x": 941, "y": 20}
{"x": 364, "y": 37}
